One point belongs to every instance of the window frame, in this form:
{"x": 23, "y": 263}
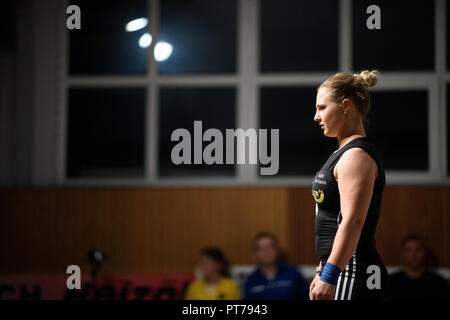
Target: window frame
{"x": 247, "y": 82}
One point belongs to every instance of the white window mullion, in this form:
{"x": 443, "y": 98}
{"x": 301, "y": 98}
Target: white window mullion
{"x": 152, "y": 97}
{"x": 247, "y": 90}
{"x": 434, "y": 137}
{"x": 441, "y": 66}
{"x": 62, "y": 100}
{"x": 345, "y": 35}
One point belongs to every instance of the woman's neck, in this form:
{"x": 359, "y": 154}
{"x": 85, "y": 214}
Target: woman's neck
{"x": 353, "y": 132}
{"x": 342, "y": 142}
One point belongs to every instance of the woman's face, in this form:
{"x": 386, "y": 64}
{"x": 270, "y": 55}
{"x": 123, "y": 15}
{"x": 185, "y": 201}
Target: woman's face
{"x": 329, "y": 114}
{"x": 208, "y": 266}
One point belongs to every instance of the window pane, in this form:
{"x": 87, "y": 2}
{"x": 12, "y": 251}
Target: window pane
{"x": 106, "y": 133}
{"x": 303, "y": 147}
{"x": 8, "y": 32}
{"x": 448, "y": 129}
{"x": 398, "y": 123}
{"x": 299, "y": 35}
{"x": 202, "y": 34}
{"x": 103, "y": 46}
{"x": 405, "y": 40}
{"x": 179, "y": 108}
{"x": 448, "y": 35}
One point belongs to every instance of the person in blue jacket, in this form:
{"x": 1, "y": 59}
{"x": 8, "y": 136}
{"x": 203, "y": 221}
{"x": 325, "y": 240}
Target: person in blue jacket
{"x": 273, "y": 279}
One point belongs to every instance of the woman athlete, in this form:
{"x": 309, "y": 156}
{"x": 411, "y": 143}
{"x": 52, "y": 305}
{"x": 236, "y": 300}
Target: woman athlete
{"x": 347, "y": 191}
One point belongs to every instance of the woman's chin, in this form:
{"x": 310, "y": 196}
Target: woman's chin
{"x": 328, "y": 134}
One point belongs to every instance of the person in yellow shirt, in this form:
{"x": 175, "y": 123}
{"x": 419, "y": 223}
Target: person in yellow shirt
{"x": 215, "y": 283}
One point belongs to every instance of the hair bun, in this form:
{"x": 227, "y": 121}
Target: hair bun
{"x": 367, "y": 78}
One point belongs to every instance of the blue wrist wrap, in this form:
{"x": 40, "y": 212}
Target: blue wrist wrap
{"x": 330, "y": 274}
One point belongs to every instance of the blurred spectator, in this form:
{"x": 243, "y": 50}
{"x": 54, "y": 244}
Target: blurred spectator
{"x": 416, "y": 281}
{"x": 214, "y": 283}
{"x": 273, "y": 279}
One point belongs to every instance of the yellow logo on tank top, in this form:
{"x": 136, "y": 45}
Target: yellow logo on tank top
{"x": 318, "y": 195}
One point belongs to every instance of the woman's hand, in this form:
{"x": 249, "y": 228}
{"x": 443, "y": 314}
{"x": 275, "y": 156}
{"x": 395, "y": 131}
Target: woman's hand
{"x": 313, "y": 284}
{"x": 320, "y": 290}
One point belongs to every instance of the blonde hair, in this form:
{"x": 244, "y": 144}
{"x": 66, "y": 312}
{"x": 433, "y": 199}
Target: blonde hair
{"x": 352, "y": 86}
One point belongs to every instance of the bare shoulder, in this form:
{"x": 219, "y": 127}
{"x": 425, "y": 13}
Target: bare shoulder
{"x": 356, "y": 161}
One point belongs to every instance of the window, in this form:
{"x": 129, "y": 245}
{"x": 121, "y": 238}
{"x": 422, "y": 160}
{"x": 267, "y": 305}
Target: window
{"x": 8, "y": 33}
{"x": 398, "y": 123}
{"x": 448, "y": 130}
{"x": 303, "y": 147}
{"x": 447, "y": 36}
{"x": 106, "y": 133}
{"x": 298, "y": 36}
{"x": 405, "y": 40}
{"x": 202, "y": 34}
{"x": 179, "y": 108}
{"x": 102, "y": 45}
{"x": 123, "y": 104}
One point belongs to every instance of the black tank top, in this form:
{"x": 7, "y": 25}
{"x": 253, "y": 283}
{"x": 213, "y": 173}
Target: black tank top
{"x": 328, "y": 210}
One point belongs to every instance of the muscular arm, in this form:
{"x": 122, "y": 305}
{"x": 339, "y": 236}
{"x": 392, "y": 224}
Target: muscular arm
{"x": 356, "y": 172}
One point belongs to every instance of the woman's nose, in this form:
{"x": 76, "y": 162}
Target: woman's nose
{"x": 316, "y": 117}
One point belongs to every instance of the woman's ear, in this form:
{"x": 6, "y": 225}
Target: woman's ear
{"x": 347, "y": 105}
